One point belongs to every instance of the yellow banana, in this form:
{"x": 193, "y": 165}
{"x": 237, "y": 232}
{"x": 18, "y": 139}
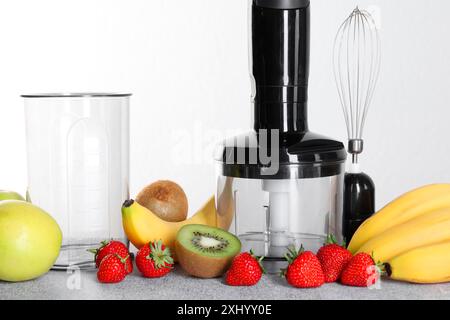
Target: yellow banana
{"x": 142, "y": 226}
{"x": 405, "y": 208}
{"x": 424, "y": 230}
{"x": 428, "y": 264}
{"x": 225, "y": 205}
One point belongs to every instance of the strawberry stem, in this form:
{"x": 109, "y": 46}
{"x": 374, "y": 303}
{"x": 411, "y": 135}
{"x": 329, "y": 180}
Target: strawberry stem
{"x": 331, "y": 239}
{"x": 103, "y": 244}
{"x": 123, "y": 260}
{"x": 293, "y": 253}
{"x": 258, "y": 259}
{"x": 162, "y": 258}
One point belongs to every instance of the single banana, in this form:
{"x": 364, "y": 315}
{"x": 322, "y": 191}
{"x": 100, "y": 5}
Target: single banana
{"x": 425, "y": 265}
{"x": 142, "y": 226}
{"x": 405, "y": 208}
{"x": 427, "y": 229}
{"x": 225, "y": 205}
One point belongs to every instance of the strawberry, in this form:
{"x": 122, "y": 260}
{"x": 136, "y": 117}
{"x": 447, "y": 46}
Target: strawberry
{"x": 245, "y": 270}
{"x": 112, "y": 269}
{"x": 154, "y": 260}
{"x": 304, "y": 270}
{"x": 333, "y": 259}
{"x": 112, "y": 247}
{"x": 361, "y": 271}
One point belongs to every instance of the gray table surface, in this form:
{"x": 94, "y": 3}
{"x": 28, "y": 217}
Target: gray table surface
{"x": 177, "y": 285}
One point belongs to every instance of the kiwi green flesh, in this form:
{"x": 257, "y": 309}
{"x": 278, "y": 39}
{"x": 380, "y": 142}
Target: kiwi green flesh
{"x": 208, "y": 241}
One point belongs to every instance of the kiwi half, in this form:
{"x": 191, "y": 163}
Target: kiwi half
{"x": 204, "y": 251}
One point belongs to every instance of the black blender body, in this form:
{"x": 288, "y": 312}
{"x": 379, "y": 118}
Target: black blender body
{"x": 280, "y": 54}
{"x": 280, "y": 39}
{"x": 301, "y": 202}
{"x": 280, "y": 67}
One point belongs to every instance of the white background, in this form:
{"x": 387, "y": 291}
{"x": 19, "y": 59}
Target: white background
{"x": 187, "y": 64}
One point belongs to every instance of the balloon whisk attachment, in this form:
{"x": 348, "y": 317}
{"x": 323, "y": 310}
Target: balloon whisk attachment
{"x": 356, "y": 62}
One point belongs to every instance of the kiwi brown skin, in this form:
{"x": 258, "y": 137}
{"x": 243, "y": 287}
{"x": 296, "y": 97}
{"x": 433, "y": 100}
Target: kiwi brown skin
{"x": 199, "y": 266}
{"x": 166, "y": 199}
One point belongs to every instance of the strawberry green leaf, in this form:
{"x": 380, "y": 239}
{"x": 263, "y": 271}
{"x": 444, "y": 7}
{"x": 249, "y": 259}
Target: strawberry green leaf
{"x": 162, "y": 258}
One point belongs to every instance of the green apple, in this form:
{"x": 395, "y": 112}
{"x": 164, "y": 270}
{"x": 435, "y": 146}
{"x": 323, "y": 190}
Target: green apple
{"x": 30, "y": 240}
{"x": 10, "y": 195}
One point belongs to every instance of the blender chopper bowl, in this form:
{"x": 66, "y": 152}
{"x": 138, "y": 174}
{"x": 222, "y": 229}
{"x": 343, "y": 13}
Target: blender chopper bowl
{"x": 77, "y": 148}
{"x": 280, "y": 184}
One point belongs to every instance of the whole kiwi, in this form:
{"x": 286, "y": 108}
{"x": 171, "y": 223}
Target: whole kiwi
{"x": 166, "y": 199}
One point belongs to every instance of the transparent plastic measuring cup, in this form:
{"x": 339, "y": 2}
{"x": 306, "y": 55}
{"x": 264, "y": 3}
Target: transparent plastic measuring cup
{"x": 78, "y": 167}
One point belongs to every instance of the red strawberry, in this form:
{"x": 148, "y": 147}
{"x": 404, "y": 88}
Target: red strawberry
{"x": 361, "y": 271}
{"x": 112, "y": 247}
{"x": 112, "y": 269}
{"x": 154, "y": 260}
{"x": 333, "y": 259}
{"x": 245, "y": 270}
{"x": 304, "y": 270}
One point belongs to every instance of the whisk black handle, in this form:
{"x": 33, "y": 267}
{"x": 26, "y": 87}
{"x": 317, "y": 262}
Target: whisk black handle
{"x": 359, "y": 202}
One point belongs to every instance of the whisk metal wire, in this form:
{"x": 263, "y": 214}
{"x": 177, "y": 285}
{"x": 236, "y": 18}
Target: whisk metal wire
{"x": 356, "y": 64}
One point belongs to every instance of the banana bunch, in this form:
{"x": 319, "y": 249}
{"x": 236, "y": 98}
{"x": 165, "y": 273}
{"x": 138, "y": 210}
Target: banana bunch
{"x": 411, "y": 236}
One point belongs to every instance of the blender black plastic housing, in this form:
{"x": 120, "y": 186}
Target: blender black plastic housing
{"x": 280, "y": 184}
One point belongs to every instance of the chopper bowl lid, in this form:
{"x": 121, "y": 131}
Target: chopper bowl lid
{"x": 299, "y": 156}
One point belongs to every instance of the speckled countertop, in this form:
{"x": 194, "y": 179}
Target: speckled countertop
{"x": 177, "y": 285}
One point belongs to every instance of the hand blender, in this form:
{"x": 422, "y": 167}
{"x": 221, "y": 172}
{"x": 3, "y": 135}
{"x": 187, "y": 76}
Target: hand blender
{"x": 280, "y": 184}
